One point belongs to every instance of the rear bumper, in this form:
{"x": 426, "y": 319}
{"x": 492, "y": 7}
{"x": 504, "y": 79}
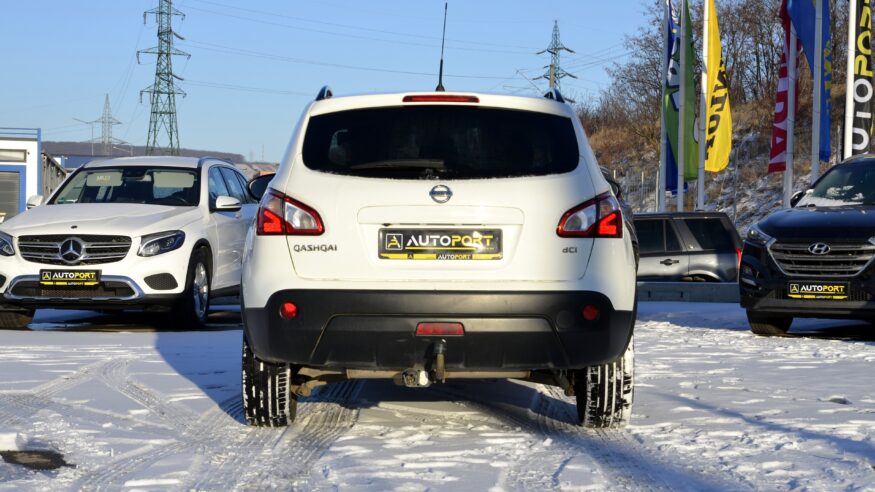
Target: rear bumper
{"x": 504, "y": 331}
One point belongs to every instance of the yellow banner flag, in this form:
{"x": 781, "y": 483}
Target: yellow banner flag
{"x": 718, "y": 130}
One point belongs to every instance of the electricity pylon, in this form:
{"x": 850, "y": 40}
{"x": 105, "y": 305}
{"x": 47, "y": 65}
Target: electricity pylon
{"x": 554, "y": 71}
{"x": 163, "y": 92}
{"x": 106, "y": 122}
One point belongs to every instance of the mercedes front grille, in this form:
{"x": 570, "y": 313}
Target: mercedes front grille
{"x": 94, "y": 249}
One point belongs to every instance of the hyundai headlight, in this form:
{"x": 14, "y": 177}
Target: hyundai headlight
{"x": 6, "y": 248}
{"x": 162, "y": 242}
{"x": 755, "y": 235}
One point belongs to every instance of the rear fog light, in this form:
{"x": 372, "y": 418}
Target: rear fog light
{"x": 590, "y": 312}
{"x": 288, "y": 310}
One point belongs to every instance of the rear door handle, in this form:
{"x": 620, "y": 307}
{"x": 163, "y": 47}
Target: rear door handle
{"x": 669, "y": 262}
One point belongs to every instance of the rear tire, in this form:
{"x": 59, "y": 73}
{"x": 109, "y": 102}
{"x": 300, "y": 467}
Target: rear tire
{"x": 605, "y": 392}
{"x": 15, "y": 320}
{"x": 267, "y": 401}
{"x": 190, "y": 311}
{"x": 769, "y": 324}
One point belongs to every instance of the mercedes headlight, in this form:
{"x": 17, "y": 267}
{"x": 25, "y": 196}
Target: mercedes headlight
{"x": 6, "y": 248}
{"x": 162, "y": 242}
{"x": 755, "y": 235}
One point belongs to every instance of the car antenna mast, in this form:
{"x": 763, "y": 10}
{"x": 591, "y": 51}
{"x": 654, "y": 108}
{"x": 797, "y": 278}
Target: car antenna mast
{"x": 440, "y": 86}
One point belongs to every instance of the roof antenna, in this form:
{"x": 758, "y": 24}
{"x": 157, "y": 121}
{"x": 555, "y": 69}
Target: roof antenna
{"x": 440, "y": 86}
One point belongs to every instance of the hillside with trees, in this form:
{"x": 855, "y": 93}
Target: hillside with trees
{"x": 623, "y": 122}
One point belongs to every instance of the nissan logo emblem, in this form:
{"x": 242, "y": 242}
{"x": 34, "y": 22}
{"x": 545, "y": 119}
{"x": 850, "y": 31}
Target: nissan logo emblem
{"x": 818, "y": 249}
{"x": 441, "y": 194}
{"x": 71, "y": 250}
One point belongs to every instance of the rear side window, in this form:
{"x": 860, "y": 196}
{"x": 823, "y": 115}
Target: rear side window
{"x": 711, "y": 234}
{"x": 651, "y": 236}
{"x": 423, "y": 142}
{"x": 656, "y": 236}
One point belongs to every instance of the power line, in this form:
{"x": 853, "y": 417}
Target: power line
{"x": 347, "y": 35}
{"x": 365, "y": 29}
{"x": 228, "y": 50}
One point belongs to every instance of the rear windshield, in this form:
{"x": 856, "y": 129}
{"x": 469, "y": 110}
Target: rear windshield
{"x": 427, "y": 142}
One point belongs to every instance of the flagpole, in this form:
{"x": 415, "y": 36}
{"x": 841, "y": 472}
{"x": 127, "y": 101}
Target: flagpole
{"x": 703, "y": 108}
{"x": 681, "y": 158}
{"x": 818, "y": 91}
{"x": 793, "y": 51}
{"x": 663, "y": 134}
{"x": 850, "y": 89}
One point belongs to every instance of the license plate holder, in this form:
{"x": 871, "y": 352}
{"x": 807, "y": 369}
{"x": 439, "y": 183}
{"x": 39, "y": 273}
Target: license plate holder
{"x": 440, "y": 244}
{"x": 69, "y": 278}
{"x": 819, "y": 290}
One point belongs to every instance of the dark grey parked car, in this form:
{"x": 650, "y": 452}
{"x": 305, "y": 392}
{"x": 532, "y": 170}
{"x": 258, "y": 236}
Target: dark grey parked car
{"x": 689, "y": 246}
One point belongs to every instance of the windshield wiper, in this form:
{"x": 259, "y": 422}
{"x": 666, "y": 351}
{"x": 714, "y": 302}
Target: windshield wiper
{"x": 435, "y": 164}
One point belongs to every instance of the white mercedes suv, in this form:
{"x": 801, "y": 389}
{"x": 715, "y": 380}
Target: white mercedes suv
{"x": 431, "y": 236}
{"x": 152, "y": 233}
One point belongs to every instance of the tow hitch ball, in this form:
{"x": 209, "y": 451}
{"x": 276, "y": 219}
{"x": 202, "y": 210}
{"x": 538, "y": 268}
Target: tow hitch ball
{"x": 420, "y": 378}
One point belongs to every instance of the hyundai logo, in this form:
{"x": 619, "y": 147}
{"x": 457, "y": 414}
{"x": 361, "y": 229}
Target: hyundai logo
{"x": 818, "y": 249}
{"x": 441, "y": 193}
{"x": 72, "y": 250}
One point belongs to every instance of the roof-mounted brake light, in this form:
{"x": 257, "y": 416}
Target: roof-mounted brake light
{"x": 441, "y": 98}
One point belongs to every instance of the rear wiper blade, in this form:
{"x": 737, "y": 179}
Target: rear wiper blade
{"x": 436, "y": 164}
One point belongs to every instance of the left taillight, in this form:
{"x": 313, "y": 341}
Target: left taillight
{"x": 279, "y": 214}
{"x": 599, "y": 217}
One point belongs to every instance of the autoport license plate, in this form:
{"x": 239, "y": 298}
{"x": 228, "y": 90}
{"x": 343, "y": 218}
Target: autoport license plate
{"x": 832, "y": 291}
{"x": 440, "y": 244}
{"x": 70, "y": 278}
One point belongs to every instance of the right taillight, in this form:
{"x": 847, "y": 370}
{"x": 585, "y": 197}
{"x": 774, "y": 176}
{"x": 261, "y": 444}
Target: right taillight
{"x": 599, "y": 217}
{"x": 279, "y": 214}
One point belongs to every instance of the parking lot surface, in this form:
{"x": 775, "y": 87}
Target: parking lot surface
{"x": 129, "y": 405}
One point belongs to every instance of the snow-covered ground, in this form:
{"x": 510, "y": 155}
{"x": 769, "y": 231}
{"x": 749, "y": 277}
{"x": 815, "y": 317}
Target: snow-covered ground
{"x": 717, "y": 408}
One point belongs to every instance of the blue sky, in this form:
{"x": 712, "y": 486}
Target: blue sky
{"x": 254, "y": 65}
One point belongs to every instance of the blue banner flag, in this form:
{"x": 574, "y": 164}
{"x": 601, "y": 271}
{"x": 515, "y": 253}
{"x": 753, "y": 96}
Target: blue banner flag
{"x": 804, "y": 18}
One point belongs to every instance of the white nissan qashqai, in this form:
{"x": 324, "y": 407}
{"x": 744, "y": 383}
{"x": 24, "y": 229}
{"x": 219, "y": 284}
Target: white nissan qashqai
{"x": 152, "y": 233}
{"x": 426, "y": 237}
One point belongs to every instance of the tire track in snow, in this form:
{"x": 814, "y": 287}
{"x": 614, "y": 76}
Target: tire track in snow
{"x": 271, "y": 457}
{"x": 616, "y": 454}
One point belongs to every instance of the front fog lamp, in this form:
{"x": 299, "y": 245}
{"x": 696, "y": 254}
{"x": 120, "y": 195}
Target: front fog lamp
{"x": 6, "y": 248}
{"x": 162, "y": 242}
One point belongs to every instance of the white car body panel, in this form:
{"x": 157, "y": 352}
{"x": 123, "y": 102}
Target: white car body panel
{"x": 353, "y": 209}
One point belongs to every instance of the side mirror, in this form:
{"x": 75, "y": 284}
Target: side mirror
{"x": 258, "y": 185}
{"x": 796, "y": 197}
{"x": 226, "y": 204}
{"x": 34, "y": 201}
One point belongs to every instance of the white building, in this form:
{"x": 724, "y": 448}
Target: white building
{"x": 20, "y": 162}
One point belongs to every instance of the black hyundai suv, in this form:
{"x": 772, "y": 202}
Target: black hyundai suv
{"x": 814, "y": 260}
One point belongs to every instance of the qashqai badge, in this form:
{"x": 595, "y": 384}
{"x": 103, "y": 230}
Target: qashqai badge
{"x": 71, "y": 250}
{"x": 819, "y": 249}
{"x": 441, "y": 194}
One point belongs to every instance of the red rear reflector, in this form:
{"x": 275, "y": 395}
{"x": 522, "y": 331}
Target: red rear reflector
{"x": 440, "y": 330}
{"x": 590, "y": 312}
{"x": 441, "y": 98}
{"x": 288, "y": 310}
{"x": 738, "y": 254}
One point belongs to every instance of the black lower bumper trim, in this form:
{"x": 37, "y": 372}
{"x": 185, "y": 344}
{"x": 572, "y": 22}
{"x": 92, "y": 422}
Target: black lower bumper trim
{"x": 376, "y": 329}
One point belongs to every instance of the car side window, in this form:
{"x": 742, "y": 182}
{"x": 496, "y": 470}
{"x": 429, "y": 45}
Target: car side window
{"x": 651, "y": 236}
{"x": 672, "y": 243}
{"x": 245, "y": 184}
{"x": 217, "y": 186}
{"x": 233, "y": 185}
{"x": 711, "y": 235}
